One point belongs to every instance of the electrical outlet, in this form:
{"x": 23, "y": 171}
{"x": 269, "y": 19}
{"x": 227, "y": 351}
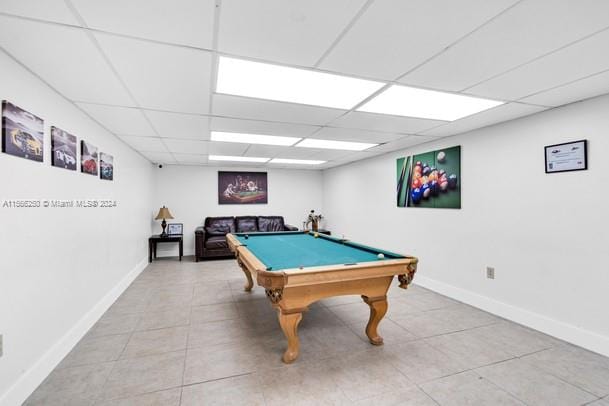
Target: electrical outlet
{"x": 490, "y": 272}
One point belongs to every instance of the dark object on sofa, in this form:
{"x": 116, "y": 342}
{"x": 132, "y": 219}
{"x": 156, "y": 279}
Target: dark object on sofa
{"x": 210, "y": 239}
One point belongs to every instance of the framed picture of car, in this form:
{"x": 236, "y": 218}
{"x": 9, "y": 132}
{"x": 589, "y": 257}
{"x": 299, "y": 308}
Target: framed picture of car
{"x": 63, "y": 147}
{"x": 175, "y": 228}
{"x": 22, "y": 133}
{"x": 106, "y": 166}
{"x": 88, "y": 158}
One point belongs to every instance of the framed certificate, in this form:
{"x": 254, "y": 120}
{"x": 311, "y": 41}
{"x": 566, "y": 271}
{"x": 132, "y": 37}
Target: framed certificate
{"x": 566, "y": 157}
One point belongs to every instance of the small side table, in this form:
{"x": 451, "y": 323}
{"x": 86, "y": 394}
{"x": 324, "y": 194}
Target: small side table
{"x": 155, "y": 239}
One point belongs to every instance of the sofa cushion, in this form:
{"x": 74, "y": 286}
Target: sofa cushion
{"x": 216, "y": 242}
{"x": 216, "y": 231}
{"x": 221, "y": 222}
{"x": 270, "y": 223}
{"x": 246, "y": 224}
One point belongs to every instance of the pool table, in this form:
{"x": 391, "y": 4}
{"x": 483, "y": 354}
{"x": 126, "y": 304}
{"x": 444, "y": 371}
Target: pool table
{"x": 299, "y": 268}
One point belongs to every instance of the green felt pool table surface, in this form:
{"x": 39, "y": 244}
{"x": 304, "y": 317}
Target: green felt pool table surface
{"x": 288, "y": 250}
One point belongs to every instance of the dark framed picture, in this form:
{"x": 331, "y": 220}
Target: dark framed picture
{"x": 242, "y": 188}
{"x": 63, "y": 149}
{"x": 175, "y": 228}
{"x": 567, "y": 157}
{"x": 431, "y": 179}
{"x": 106, "y": 166}
{"x": 22, "y": 133}
{"x": 88, "y": 158}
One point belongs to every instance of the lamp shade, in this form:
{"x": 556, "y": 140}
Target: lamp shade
{"x": 163, "y": 214}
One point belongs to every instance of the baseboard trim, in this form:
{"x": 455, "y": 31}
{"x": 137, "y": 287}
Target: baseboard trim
{"x": 29, "y": 381}
{"x": 564, "y": 331}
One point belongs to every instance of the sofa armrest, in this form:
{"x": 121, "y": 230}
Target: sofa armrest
{"x": 290, "y": 228}
{"x": 199, "y": 242}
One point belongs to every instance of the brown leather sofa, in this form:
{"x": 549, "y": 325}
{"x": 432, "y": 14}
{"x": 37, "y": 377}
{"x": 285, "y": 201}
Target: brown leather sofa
{"x": 210, "y": 239}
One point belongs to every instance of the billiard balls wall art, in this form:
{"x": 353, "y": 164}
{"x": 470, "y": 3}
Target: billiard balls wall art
{"x": 88, "y": 158}
{"x": 22, "y": 133}
{"x": 431, "y": 179}
{"x": 63, "y": 149}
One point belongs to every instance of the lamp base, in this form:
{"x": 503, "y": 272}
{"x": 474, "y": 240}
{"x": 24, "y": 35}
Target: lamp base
{"x": 164, "y": 225}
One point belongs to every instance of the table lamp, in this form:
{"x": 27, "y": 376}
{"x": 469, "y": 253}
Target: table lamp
{"x": 164, "y": 214}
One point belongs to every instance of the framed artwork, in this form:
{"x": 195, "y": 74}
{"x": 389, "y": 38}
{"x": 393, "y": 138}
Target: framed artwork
{"x": 106, "y": 166}
{"x": 22, "y": 133}
{"x": 175, "y": 228}
{"x": 431, "y": 179}
{"x": 242, "y": 188}
{"x": 63, "y": 149}
{"x": 88, "y": 158}
{"x": 567, "y": 157}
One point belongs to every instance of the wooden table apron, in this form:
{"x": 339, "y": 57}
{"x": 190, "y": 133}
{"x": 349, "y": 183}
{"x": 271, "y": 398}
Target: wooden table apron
{"x": 291, "y": 291}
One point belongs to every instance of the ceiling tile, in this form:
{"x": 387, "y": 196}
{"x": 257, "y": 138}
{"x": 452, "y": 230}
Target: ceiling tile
{"x": 227, "y": 148}
{"x": 394, "y": 36}
{"x": 256, "y": 109}
{"x": 349, "y": 134}
{"x": 351, "y": 157}
{"x": 526, "y": 31}
{"x": 176, "y": 125}
{"x": 120, "y": 120}
{"x": 186, "y": 146}
{"x": 495, "y": 115}
{"x": 160, "y": 157}
{"x": 289, "y": 32}
{"x": 261, "y": 127}
{"x": 48, "y": 10}
{"x": 187, "y": 22}
{"x": 144, "y": 144}
{"x": 577, "y": 61}
{"x": 191, "y": 159}
{"x": 383, "y": 122}
{"x": 163, "y": 77}
{"x": 402, "y": 143}
{"x": 270, "y": 151}
{"x": 64, "y": 57}
{"x": 280, "y": 152}
{"x": 325, "y": 154}
{"x": 582, "y": 89}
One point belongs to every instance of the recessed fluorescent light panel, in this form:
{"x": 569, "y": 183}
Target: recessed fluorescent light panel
{"x": 273, "y": 82}
{"x": 331, "y": 144}
{"x": 237, "y": 158}
{"x": 296, "y": 161}
{"x": 253, "y": 138}
{"x": 421, "y": 103}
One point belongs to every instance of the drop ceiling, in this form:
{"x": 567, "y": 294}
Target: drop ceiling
{"x": 146, "y": 70}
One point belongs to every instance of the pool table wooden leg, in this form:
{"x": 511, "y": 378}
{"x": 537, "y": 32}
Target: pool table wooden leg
{"x": 289, "y": 325}
{"x": 378, "y": 308}
{"x": 249, "y": 284}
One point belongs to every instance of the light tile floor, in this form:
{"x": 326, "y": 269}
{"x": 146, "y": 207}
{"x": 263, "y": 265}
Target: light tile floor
{"x": 186, "y": 333}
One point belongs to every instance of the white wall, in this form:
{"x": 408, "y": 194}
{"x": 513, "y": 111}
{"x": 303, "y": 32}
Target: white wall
{"x": 60, "y": 268}
{"x": 546, "y": 235}
{"x": 191, "y": 193}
